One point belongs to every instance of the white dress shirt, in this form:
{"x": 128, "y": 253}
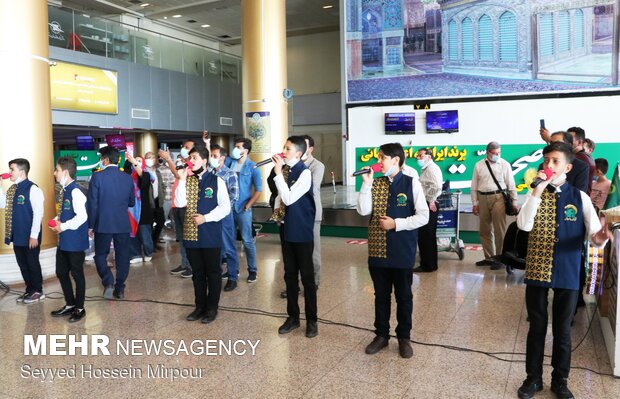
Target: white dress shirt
{"x": 36, "y": 201}
{"x": 431, "y": 180}
{"x": 364, "y": 206}
{"x": 525, "y": 219}
{"x": 288, "y": 195}
{"x": 317, "y": 169}
{"x": 223, "y": 201}
{"x": 483, "y": 182}
{"x": 409, "y": 171}
{"x": 78, "y": 199}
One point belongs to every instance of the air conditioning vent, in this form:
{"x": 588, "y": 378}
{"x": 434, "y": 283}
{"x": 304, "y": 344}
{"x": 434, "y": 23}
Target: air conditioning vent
{"x": 137, "y": 113}
{"x": 226, "y": 121}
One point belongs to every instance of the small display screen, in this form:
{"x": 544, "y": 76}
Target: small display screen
{"x": 442, "y": 122}
{"x": 117, "y": 141}
{"x": 403, "y": 123}
{"x": 85, "y": 142}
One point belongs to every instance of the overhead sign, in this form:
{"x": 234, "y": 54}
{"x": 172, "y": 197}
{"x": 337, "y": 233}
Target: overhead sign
{"x": 82, "y": 88}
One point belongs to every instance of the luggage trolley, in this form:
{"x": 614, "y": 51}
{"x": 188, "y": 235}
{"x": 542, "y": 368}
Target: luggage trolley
{"x": 448, "y": 223}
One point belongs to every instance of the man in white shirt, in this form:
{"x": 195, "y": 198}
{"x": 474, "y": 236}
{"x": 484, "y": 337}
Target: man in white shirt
{"x": 24, "y": 211}
{"x": 431, "y": 180}
{"x": 488, "y": 201}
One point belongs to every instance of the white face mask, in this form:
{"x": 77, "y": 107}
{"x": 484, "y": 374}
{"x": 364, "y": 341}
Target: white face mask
{"x": 559, "y": 180}
{"x": 63, "y": 181}
{"x": 291, "y": 162}
{"x": 391, "y": 171}
{"x": 304, "y": 157}
{"x": 214, "y": 162}
{"x": 494, "y": 158}
{"x": 150, "y": 163}
{"x": 235, "y": 153}
{"x": 184, "y": 152}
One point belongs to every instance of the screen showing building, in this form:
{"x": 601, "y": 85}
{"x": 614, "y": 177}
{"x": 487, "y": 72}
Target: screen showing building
{"x": 442, "y": 122}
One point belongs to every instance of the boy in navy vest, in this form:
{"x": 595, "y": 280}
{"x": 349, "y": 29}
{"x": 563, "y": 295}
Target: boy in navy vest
{"x": 72, "y": 229}
{"x": 398, "y": 209}
{"x": 207, "y": 204}
{"x": 24, "y": 211}
{"x": 558, "y": 217}
{"x": 296, "y": 211}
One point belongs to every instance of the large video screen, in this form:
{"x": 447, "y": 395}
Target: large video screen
{"x": 438, "y": 49}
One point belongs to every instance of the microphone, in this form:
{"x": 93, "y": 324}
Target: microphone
{"x": 373, "y": 168}
{"x": 266, "y": 161}
{"x": 51, "y": 223}
{"x": 538, "y": 180}
{"x": 5, "y": 176}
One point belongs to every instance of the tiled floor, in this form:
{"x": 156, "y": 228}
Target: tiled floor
{"x": 461, "y": 305}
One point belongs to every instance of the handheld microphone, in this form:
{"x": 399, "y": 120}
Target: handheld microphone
{"x": 373, "y": 169}
{"x": 52, "y": 223}
{"x": 538, "y": 180}
{"x": 5, "y": 176}
{"x": 266, "y": 161}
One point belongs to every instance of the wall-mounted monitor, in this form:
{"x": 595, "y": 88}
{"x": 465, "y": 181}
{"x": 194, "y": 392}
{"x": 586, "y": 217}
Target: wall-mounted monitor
{"x": 117, "y": 141}
{"x": 402, "y": 123}
{"x": 85, "y": 142}
{"x": 442, "y": 121}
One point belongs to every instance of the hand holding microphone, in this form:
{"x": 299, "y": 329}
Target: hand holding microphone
{"x": 547, "y": 173}
{"x": 268, "y": 160}
{"x": 373, "y": 169}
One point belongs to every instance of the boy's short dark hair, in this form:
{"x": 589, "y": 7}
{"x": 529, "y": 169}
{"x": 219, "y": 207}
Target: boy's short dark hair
{"x": 68, "y": 164}
{"x": 109, "y": 153}
{"x": 21, "y": 163}
{"x": 310, "y": 140}
{"x": 589, "y": 143}
{"x": 189, "y": 141}
{"x": 568, "y": 138}
{"x": 216, "y": 147}
{"x": 247, "y": 143}
{"x": 602, "y": 165}
{"x": 580, "y": 134}
{"x": 202, "y": 152}
{"x": 299, "y": 142}
{"x": 427, "y": 151}
{"x": 564, "y": 148}
{"x": 394, "y": 150}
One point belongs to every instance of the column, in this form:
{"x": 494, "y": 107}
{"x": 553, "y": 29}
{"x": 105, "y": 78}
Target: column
{"x": 144, "y": 142}
{"x": 265, "y": 115}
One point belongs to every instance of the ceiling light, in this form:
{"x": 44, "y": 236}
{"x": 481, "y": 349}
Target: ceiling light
{"x": 145, "y": 4}
{"x": 328, "y": 6}
{"x": 205, "y": 26}
{"x": 177, "y": 16}
{"x": 165, "y": 17}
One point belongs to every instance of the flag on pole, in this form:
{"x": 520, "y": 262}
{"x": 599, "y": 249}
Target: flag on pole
{"x": 613, "y": 197}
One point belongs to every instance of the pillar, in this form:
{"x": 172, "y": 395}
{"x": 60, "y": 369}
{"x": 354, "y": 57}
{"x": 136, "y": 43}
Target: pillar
{"x": 263, "y": 39}
{"x": 26, "y": 122}
{"x": 144, "y": 142}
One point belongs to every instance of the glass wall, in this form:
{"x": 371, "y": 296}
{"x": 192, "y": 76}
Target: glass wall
{"x": 76, "y": 31}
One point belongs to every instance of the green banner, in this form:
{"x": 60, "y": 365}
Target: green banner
{"x": 457, "y": 162}
{"x": 86, "y": 160}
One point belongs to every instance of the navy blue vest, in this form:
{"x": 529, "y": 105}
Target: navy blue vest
{"x": 299, "y": 217}
{"x": 209, "y": 233}
{"x": 22, "y": 215}
{"x": 401, "y": 245}
{"x": 72, "y": 240}
{"x": 570, "y": 232}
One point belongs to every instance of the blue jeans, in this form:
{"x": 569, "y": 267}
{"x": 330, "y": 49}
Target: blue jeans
{"x": 229, "y": 246}
{"x": 243, "y": 219}
{"x": 178, "y": 215}
{"x": 142, "y": 240}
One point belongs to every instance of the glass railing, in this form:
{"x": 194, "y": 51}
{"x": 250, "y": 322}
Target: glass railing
{"x": 76, "y": 31}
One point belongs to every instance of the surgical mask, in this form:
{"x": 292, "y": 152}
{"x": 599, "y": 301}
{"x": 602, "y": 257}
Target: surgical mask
{"x": 100, "y": 165}
{"x": 184, "y": 152}
{"x": 199, "y": 170}
{"x": 63, "y": 181}
{"x": 391, "y": 171}
{"x": 421, "y": 163}
{"x": 559, "y": 180}
{"x": 595, "y": 178}
{"x": 291, "y": 162}
{"x": 494, "y": 158}
{"x": 304, "y": 157}
{"x": 150, "y": 163}
{"x": 235, "y": 153}
{"x": 214, "y": 162}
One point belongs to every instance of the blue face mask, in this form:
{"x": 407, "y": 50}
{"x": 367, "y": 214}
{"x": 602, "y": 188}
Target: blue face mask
{"x": 494, "y": 158}
{"x": 421, "y": 163}
{"x": 235, "y": 153}
{"x": 214, "y": 162}
{"x": 391, "y": 171}
{"x": 595, "y": 178}
{"x": 184, "y": 152}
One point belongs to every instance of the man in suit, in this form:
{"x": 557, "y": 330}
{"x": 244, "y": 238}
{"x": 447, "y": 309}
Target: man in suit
{"x": 110, "y": 194}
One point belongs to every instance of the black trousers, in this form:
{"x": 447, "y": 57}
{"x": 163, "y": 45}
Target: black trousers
{"x": 427, "y": 242}
{"x": 564, "y": 302}
{"x": 298, "y": 260}
{"x": 68, "y": 264}
{"x": 207, "y": 277}
{"x": 159, "y": 219}
{"x": 30, "y": 267}
{"x": 383, "y": 279}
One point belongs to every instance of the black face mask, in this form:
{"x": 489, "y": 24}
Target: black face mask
{"x": 199, "y": 171}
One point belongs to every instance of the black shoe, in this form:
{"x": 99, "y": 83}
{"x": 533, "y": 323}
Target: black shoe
{"x": 530, "y": 386}
{"x": 312, "y": 329}
{"x": 289, "y": 325}
{"x": 510, "y": 269}
{"x": 419, "y": 269}
{"x": 64, "y": 311}
{"x": 495, "y": 265}
{"x": 230, "y": 285}
{"x": 376, "y": 345}
{"x": 225, "y": 275}
{"x": 195, "y": 315}
{"x": 209, "y": 317}
{"x": 404, "y": 348}
{"x": 77, "y": 315}
{"x": 177, "y": 270}
{"x": 252, "y": 277}
{"x": 283, "y": 294}
{"x": 560, "y": 389}
{"x": 484, "y": 262}
{"x": 108, "y": 292}
{"x": 119, "y": 294}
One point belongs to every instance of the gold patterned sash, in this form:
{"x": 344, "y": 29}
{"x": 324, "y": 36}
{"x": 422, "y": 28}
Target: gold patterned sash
{"x": 539, "y": 259}
{"x": 278, "y": 214}
{"x": 190, "y": 228}
{"x": 377, "y": 237}
{"x": 8, "y": 213}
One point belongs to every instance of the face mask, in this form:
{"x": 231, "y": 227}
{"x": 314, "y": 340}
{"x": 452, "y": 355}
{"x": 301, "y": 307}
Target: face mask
{"x": 421, "y": 163}
{"x": 214, "y": 162}
{"x": 235, "y": 153}
{"x": 100, "y": 165}
{"x": 494, "y": 158}
{"x": 150, "y": 163}
{"x": 390, "y": 171}
{"x": 291, "y": 162}
{"x": 595, "y": 178}
{"x": 63, "y": 181}
{"x": 559, "y": 180}
{"x": 199, "y": 170}
{"x": 184, "y": 152}
{"x": 304, "y": 157}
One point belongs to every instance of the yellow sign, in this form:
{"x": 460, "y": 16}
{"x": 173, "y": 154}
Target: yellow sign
{"x": 81, "y": 88}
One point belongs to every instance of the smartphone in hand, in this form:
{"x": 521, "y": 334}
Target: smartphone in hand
{"x": 542, "y": 124}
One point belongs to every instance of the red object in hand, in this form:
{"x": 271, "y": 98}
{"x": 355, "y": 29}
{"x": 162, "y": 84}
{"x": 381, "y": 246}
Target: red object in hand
{"x": 52, "y": 223}
{"x": 5, "y": 176}
{"x": 548, "y": 173}
{"x": 190, "y": 165}
{"x": 376, "y": 167}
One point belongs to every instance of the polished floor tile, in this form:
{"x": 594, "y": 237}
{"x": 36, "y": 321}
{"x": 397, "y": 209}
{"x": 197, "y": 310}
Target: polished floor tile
{"x": 459, "y": 312}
